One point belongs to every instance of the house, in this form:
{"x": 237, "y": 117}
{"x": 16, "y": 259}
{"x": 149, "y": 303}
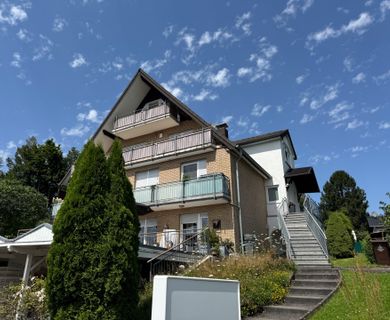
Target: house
{"x": 275, "y": 153}
{"x": 184, "y": 171}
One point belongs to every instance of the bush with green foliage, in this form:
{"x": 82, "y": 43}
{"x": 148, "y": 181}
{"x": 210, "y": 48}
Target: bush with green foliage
{"x": 341, "y": 193}
{"x": 386, "y": 211}
{"x": 92, "y": 263}
{"x": 339, "y": 234}
{"x": 21, "y": 207}
{"x": 368, "y": 250}
{"x": 263, "y": 279}
{"x": 32, "y": 304}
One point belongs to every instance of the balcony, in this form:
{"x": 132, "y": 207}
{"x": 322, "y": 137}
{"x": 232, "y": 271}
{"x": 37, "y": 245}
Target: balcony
{"x": 156, "y": 115}
{"x": 206, "y": 190}
{"x": 177, "y": 146}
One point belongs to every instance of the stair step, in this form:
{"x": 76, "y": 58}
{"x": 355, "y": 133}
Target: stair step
{"x": 316, "y": 271}
{"x": 310, "y": 276}
{"x": 314, "y": 283}
{"x": 309, "y": 291}
{"x": 300, "y": 300}
{"x": 283, "y": 312}
{"x": 313, "y": 263}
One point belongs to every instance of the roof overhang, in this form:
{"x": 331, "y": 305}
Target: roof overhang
{"x": 304, "y": 179}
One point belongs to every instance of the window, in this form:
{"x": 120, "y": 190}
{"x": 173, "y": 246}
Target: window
{"x": 148, "y": 232}
{"x": 273, "y": 194}
{"x": 146, "y": 178}
{"x": 193, "y": 170}
{"x": 286, "y": 152}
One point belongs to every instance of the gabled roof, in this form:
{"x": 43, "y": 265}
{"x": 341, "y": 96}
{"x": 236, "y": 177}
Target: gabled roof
{"x": 137, "y": 89}
{"x": 40, "y": 234}
{"x": 375, "y": 222}
{"x": 304, "y": 178}
{"x": 268, "y": 136}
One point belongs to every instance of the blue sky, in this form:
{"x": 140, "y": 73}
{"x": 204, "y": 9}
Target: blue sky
{"x": 318, "y": 68}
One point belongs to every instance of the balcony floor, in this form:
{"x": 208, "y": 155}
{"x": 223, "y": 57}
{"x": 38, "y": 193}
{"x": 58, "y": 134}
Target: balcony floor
{"x": 190, "y": 204}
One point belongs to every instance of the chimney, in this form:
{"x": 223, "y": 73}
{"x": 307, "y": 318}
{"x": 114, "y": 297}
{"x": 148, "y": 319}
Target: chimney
{"x": 223, "y": 130}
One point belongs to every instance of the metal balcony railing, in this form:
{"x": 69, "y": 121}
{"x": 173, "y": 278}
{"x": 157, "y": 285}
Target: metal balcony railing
{"x": 205, "y": 187}
{"x": 157, "y": 109}
{"x": 178, "y": 144}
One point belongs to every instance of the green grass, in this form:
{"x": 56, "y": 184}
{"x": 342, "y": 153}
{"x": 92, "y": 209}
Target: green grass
{"x": 362, "y": 296}
{"x": 360, "y": 260}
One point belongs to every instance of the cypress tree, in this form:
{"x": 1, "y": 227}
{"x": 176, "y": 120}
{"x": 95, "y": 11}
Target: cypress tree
{"x": 122, "y": 258}
{"x": 92, "y": 263}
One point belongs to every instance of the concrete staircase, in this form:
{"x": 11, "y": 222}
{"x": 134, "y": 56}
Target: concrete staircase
{"x": 305, "y": 248}
{"x": 313, "y": 282}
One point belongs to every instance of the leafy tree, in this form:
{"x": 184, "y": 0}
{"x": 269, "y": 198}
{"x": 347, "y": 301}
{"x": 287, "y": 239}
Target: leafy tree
{"x": 40, "y": 166}
{"x": 92, "y": 270}
{"x": 71, "y": 157}
{"x": 341, "y": 193}
{"x": 386, "y": 211}
{"x": 21, "y": 207}
{"x": 339, "y": 234}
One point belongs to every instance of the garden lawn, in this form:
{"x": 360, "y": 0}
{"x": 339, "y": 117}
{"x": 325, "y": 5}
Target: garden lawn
{"x": 362, "y": 296}
{"x": 360, "y": 260}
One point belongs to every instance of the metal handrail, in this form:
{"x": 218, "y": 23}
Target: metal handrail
{"x": 213, "y": 185}
{"x": 314, "y": 225}
{"x": 281, "y": 213}
{"x": 163, "y": 257}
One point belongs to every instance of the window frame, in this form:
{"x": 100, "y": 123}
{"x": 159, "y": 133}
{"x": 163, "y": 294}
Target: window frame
{"x": 277, "y": 194}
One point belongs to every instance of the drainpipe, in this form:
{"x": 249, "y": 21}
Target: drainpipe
{"x": 239, "y": 200}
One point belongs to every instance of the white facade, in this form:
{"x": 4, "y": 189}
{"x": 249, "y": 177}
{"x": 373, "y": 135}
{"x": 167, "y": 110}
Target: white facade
{"x": 276, "y": 156}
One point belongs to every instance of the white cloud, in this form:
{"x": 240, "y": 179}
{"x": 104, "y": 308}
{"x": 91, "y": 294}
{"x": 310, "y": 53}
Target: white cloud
{"x": 14, "y": 15}
{"x": 322, "y": 158}
{"x": 306, "y": 118}
{"x": 24, "y": 35}
{"x": 59, "y": 24}
{"x": 204, "y": 95}
{"x": 360, "y": 77}
{"x": 226, "y": 119}
{"x": 348, "y": 64}
{"x": 330, "y": 94}
{"x": 168, "y": 31}
{"x": 174, "y": 90}
{"x": 382, "y": 77}
{"x": 216, "y": 36}
{"x": 78, "y": 61}
{"x": 243, "y": 24}
{"x": 44, "y": 49}
{"x": 77, "y": 131}
{"x": 291, "y": 10}
{"x": 358, "y": 26}
{"x": 91, "y": 116}
{"x": 151, "y": 65}
{"x": 262, "y": 60}
{"x": 11, "y": 145}
{"x": 16, "y": 61}
{"x": 259, "y": 110}
{"x": 354, "y": 124}
{"x": 384, "y": 125}
{"x": 279, "y": 108}
{"x": 384, "y": 6}
{"x": 4, "y": 154}
{"x": 219, "y": 79}
{"x": 371, "y": 110}
{"x": 340, "y": 112}
{"x": 300, "y": 78}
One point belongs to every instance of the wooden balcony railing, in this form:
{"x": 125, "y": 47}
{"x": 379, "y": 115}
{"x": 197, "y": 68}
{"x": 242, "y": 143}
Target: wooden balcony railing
{"x": 159, "y": 109}
{"x": 210, "y": 186}
{"x": 178, "y": 144}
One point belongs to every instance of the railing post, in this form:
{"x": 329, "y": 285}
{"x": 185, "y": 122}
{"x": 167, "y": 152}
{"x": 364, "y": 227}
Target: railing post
{"x": 214, "y": 187}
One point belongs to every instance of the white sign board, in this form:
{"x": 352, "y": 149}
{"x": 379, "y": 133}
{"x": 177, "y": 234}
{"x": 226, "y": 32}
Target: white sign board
{"x": 184, "y": 298}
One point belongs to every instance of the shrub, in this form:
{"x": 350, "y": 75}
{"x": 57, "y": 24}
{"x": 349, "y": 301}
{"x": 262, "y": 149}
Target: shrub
{"x": 263, "y": 279}
{"x": 21, "y": 207}
{"x": 32, "y": 304}
{"x": 368, "y": 249}
{"x": 338, "y": 232}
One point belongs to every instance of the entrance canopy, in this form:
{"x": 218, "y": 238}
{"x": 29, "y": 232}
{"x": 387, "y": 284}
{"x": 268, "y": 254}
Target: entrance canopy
{"x": 304, "y": 179}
